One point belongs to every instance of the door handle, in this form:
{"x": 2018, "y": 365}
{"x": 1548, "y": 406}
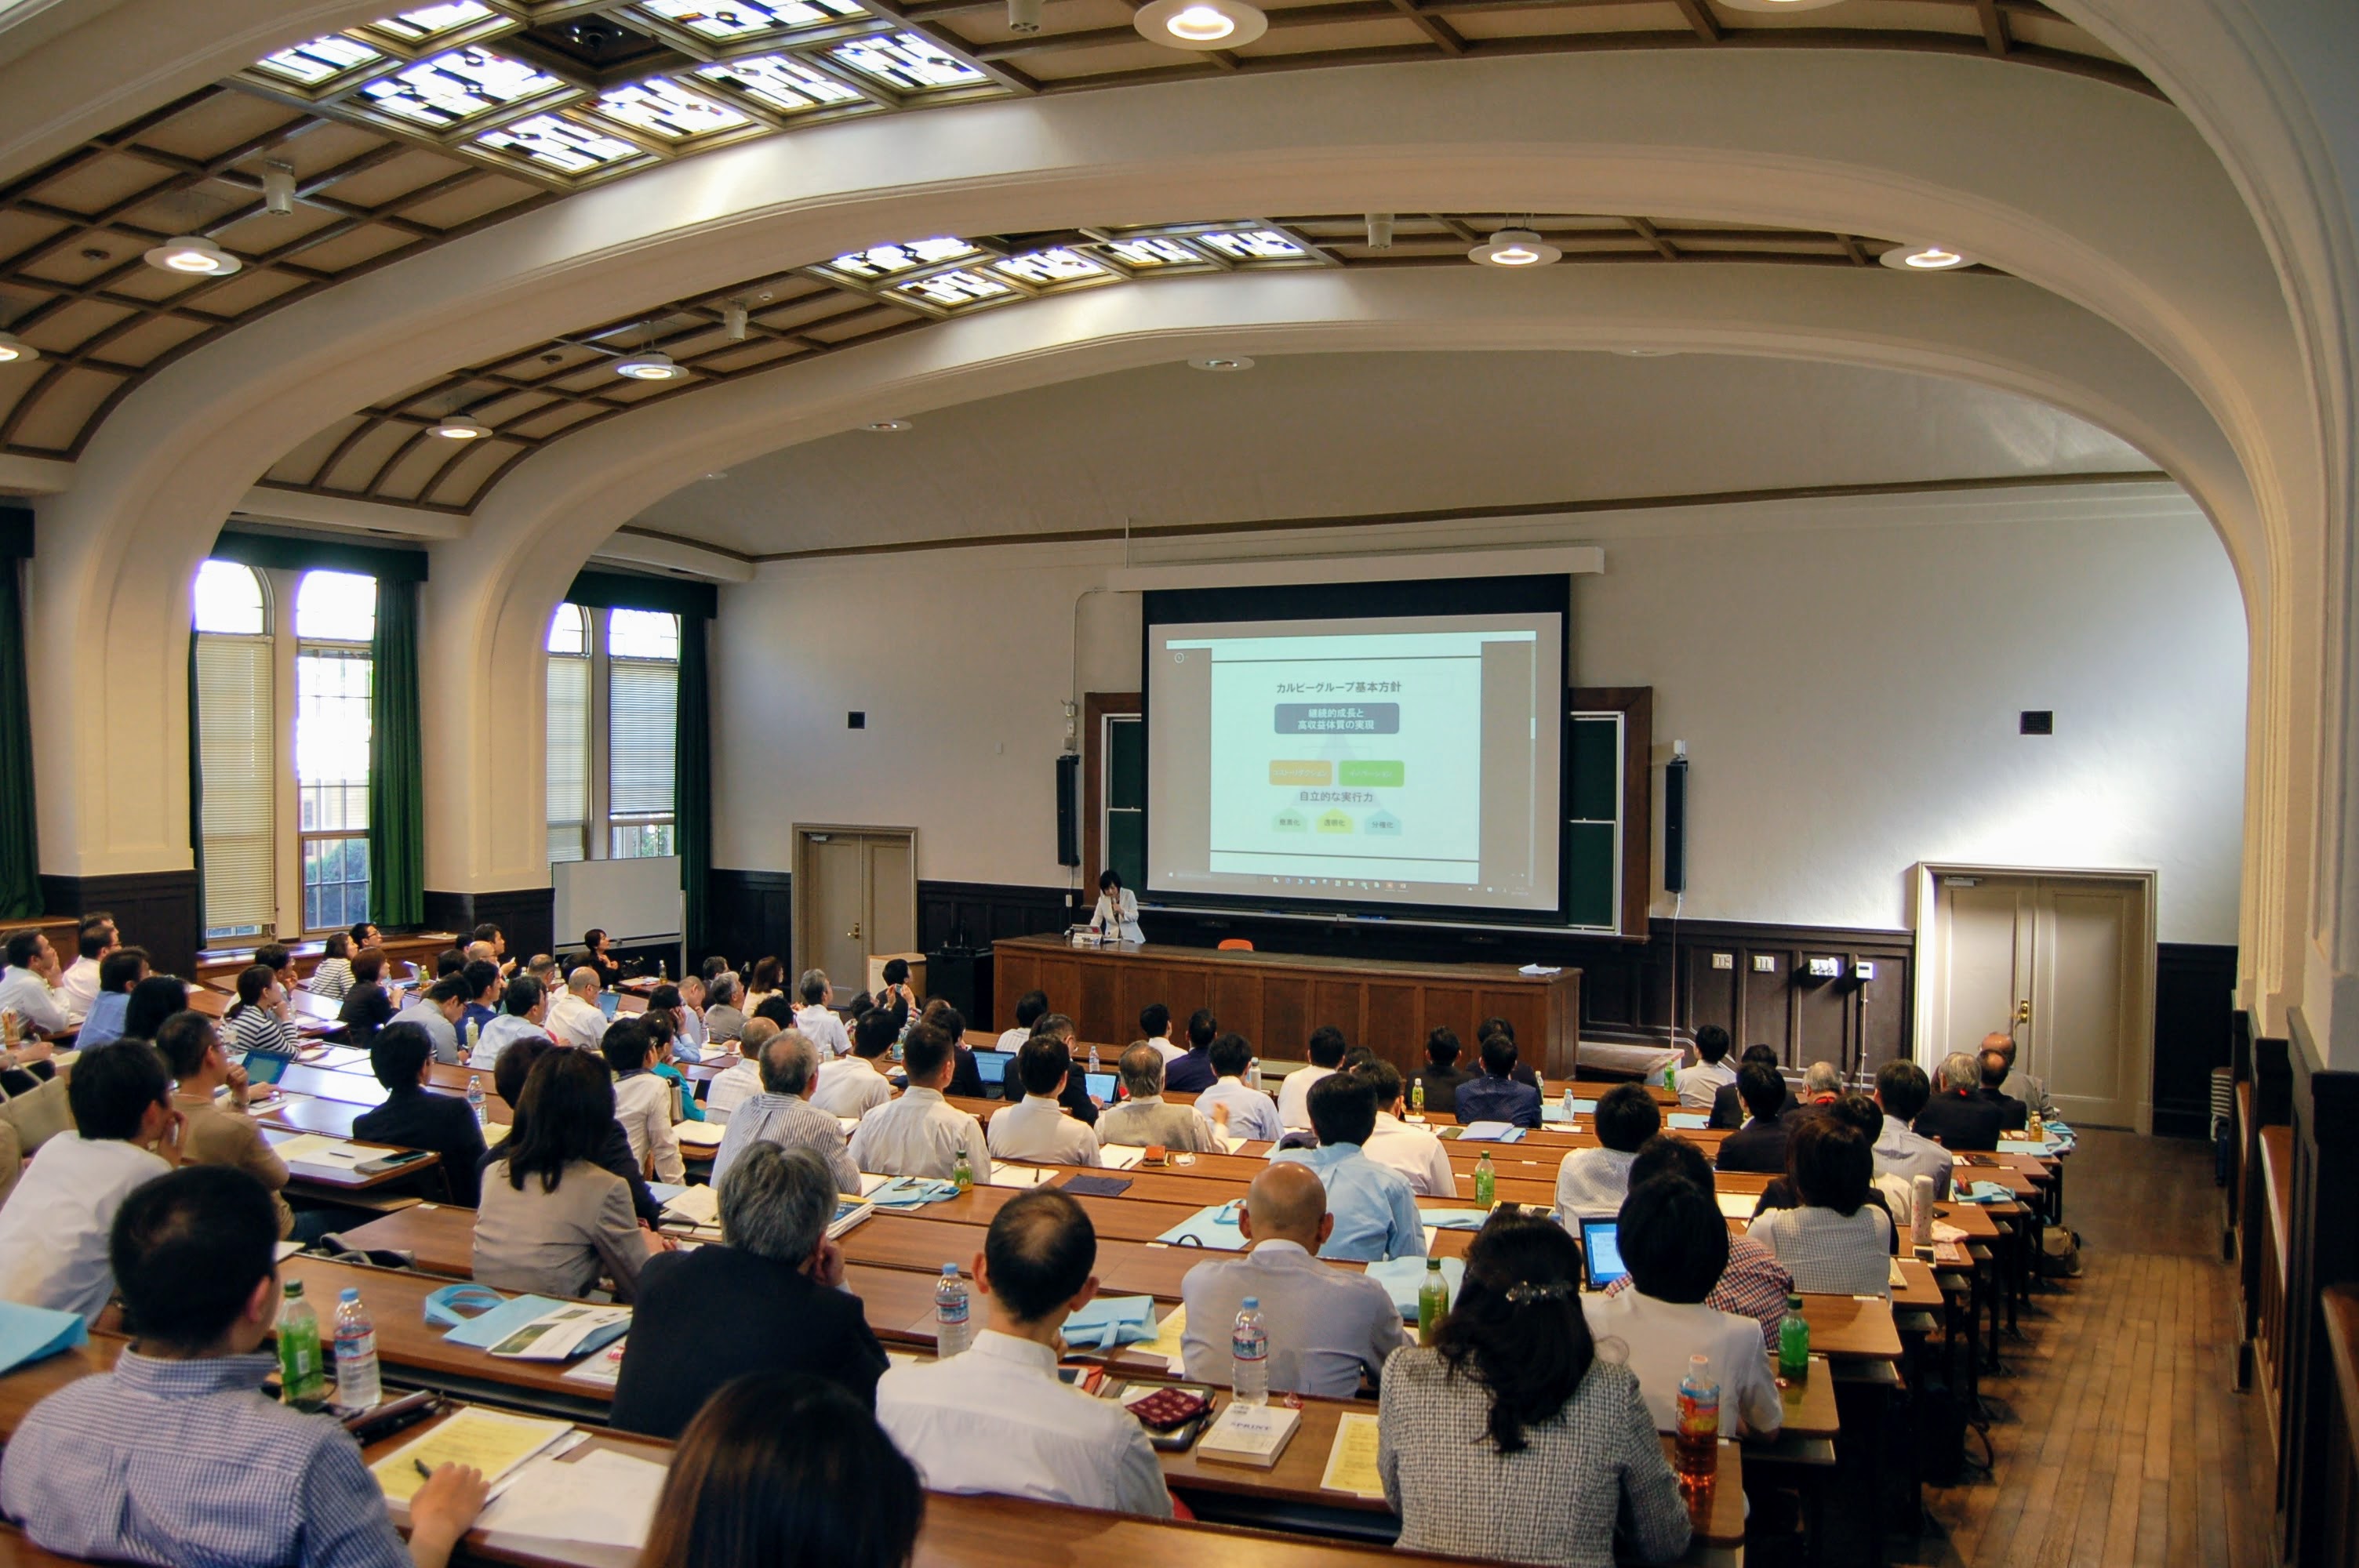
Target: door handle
{"x": 2023, "y": 1011}
{"x": 854, "y": 935}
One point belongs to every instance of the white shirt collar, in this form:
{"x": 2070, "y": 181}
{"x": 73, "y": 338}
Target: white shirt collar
{"x": 1008, "y": 1347}
{"x": 1233, "y": 1078}
{"x": 921, "y": 1095}
{"x": 1279, "y": 1249}
{"x": 1387, "y": 1122}
{"x": 1046, "y": 1102}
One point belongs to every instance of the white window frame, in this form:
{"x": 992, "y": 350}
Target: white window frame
{"x": 603, "y": 823}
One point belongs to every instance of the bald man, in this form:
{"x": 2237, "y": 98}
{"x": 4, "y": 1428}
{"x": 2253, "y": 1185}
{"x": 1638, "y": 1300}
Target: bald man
{"x": 1328, "y": 1327}
{"x": 575, "y": 1019}
{"x": 2020, "y": 1086}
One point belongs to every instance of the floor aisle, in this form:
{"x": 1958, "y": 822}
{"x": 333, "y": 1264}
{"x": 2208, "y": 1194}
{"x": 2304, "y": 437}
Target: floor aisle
{"x": 2118, "y": 1436}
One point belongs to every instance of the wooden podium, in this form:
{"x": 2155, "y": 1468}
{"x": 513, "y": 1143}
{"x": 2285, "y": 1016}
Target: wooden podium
{"x": 1276, "y": 999}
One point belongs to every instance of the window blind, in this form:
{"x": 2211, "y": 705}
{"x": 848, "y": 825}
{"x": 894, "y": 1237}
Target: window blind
{"x": 641, "y": 737}
{"x": 237, "y": 751}
{"x": 568, "y": 755}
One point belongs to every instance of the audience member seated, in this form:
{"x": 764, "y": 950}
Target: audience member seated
{"x": 1412, "y": 1150}
{"x": 724, "y": 1017}
{"x": 1442, "y": 1074}
{"x": 1497, "y": 1095}
{"x": 1675, "y": 1244}
{"x": 124, "y": 971}
{"x": 782, "y": 1114}
{"x": 998, "y": 1419}
{"x": 368, "y": 1006}
{"x": 331, "y": 977}
{"x": 662, "y": 1053}
{"x": 595, "y": 955}
{"x": 515, "y": 1070}
{"x": 53, "y": 1228}
{"x": 575, "y": 1018}
{"x": 1754, "y": 1285}
{"x": 78, "y": 985}
{"x": 484, "y": 989}
{"x": 1822, "y": 1085}
{"x": 1192, "y": 1072}
{"x": 1325, "y": 1049}
{"x": 262, "y": 1019}
{"x": 2012, "y": 1114}
{"x": 154, "y": 1000}
{"x": 966, "y": 1073}
{"x": 1030, "y": 1008}
{"x": 1522, "y": 1072}
{"x": 1037, "y": 1129}
{"x": 551, "y": 1219}
{"x": 1509, "y": 1438}
{"x": 1760, "y": 1144}
{"x": 1889, "y": 1193}
{"x": 1595, "y": 1180}
{"x": 768, "y": 979}
{"x": 816, "y": 1017}
{"x": 1700, "y": 1085}
{"x": 1837, "y": 1243}
{"x": 642, "y": 1102}
{"x": 523, "y": 1016}
{"x": 1327, "y": 1327}
{"x": 1076, "y": 1098}
{"x": 921, "y": 1134}
{"x": 673, "y": 1004}
{"x": 786, "y": 1472}
{"x": 856, "y": 1085}
{"x": 1154, "y": 1028}
{"x": 1145, "y": 1118}
{"x": 29, "y": 987}
{"x": 777, "y": 1285}
{"x": 411, "y": 1118}
{"x": 1901, "y": 1089}
{"x": 177, "y": 1455}
{"x": 437, "y": 1009}
{"x": 741, "y": 1079}
{"x": 1957, "y": 1117}
{"x": 1232, "y": 1106}
{"x": 218, "y": 1131}
{"x": 492, "y": 936}
{"x": 1373, "y": 1207}
{"x": 1728, "y": 1108}
{"x": 2031, "y": 1091}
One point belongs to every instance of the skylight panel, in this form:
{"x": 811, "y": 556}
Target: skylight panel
{"x": 781, "y": 82}
{"x": 742, "y": 18}
{"x": 1050, "y": 267}
{"x": 432, "y": 21}
{"x": 1253, "y": 244}
{"x": 453, "y": 88}
{"x": 885, "y": 260}
{"x": 561, "y": 145}
{"x": 905, "y": 62}
{"x": 669, "y": 111}
{"x": 320, "y": 60}
{"x": 1152, "y": 253}
{"x": 954, "y": 288}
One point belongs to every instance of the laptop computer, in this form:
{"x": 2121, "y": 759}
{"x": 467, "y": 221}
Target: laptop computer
{"x": 266, "y": 1067}
{"x": 608, "y": 1001}
{"x": 1101, "y": 1086}
{"x": 1601, "y": 1252}
{"x": 991, "y": 1066}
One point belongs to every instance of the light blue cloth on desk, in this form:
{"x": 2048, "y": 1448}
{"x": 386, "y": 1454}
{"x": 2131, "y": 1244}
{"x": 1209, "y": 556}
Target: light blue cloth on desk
{"x": 1404, "y": 1277}
{"x": 1552, "y": 1113}
{"x": 1213, "y": 1226}
{"x": 30, "y": 1334}
{"x": 1493, "y": 1131}
{"x": 1110, "y": 1321}
{"x": 913, "y": 1192}
{"x": 1688, "y": 1121}
{"x": 1455, "y": 1219}
{"x": 1987, "y": 1192}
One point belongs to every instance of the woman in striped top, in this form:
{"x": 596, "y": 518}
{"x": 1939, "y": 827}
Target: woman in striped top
{"x": 262, "y": 1020}
{"x": 334, "y": 977}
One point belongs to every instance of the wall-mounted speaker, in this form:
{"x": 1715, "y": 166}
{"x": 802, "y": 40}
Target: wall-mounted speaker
{"x": 1675, "y": 826}
{"x": 1069, "y": 810}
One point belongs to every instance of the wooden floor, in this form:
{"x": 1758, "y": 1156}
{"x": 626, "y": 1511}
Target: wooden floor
{"x": 2118, "y": 1436}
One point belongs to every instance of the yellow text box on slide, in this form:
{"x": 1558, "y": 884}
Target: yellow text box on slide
{"x": 1307, "y": 770}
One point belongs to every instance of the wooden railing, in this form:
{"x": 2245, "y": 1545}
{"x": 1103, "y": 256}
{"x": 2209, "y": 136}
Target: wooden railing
{"x": 2276, "y": 1259}
{"x": 2338, "y": 1463}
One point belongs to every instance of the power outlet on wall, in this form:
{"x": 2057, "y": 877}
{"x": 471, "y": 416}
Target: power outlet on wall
{"x": 1762, "y": 964}
{"x": 1826, "y": 969}
{"x": 1723, "y": 960}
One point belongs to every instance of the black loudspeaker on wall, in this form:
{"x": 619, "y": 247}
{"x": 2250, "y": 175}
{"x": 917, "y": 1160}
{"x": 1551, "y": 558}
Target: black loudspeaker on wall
{"x": 1069, "y": 810}
{"x": 1675, "y": 826}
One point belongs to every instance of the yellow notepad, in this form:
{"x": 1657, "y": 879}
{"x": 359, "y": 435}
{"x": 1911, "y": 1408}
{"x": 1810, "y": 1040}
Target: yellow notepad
{"x": 1166, "y": 1340}
{"x": 495, "y": 1444}
{"x": 1351, "y": 1462}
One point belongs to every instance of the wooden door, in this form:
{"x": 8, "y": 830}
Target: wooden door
{"x": 831, "y": 885}
{"x": 889, "y": 895}
{"x": 1984, "y": 959}
{"x": 2082, "y": 1039}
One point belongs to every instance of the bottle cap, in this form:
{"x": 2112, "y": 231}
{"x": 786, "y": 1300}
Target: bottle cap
{"x": 1700, "y": 1364}
{"x": 1252, "y": 1303}
{"x": 349, "y": 1294}
{"x": 1793, "y": 1304}
{"x": 950, "y": 1271}
{"x": 293, "y": 1287}
{"x": 1433, "y": 1265}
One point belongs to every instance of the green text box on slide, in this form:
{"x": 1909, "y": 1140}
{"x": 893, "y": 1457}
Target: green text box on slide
{"x": 1371, "y": 775}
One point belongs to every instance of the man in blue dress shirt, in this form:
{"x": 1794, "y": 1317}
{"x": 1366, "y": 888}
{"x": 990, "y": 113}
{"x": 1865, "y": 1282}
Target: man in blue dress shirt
{"x": 1496, "y": 1096}
{"x": 1374, "y": 1206}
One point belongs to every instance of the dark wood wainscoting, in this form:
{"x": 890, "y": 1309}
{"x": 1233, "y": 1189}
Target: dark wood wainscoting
{"x": 2194, "y": 1019}
{"x": 2315, "y": 1479}
{"x": 155, "y": 910}
{"x": 525, "y": 916}
{"x": 749, "y": 915}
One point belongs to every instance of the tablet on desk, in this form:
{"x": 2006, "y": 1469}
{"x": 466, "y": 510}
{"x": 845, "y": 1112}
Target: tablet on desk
{"x": 266, "y": 1067}
{"x": 608, "y": 1001}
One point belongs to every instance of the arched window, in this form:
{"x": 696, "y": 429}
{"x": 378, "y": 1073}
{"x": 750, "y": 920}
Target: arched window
{"x": 335, "y": 619}
{"x": 229, "y": 602}
{"x": 335, "y": 607}
{"x": 613, "y": 697}
{"x": 237, "y": 749}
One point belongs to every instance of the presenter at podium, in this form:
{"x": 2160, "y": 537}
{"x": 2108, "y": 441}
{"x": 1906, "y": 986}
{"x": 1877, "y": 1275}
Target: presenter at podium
{"x": 1118, "y": 911}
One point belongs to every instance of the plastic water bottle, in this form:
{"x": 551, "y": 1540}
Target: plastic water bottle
{"x": 1568, "y": 1104}
{"x": 1921, "y": 1216}
{"x": 476, "y": 1091}
{"x": 962, "y": 1173}
{"x": 474, "y": 1033}
{"x": 1696, "y": 1453}
{"x": 358, "y": 1387}
{"x": 1432, "y": 1299}
{"x": 1094, "y": 1058}
{"x": 1417, "y": 1095}
{"x": 953, "y": 1328}
{"x": 1249, "y": 1356}
{"x": 1793, "y": 1343}
{"x": 302, "y": 1382}
{"x": 1253, "y": 1074}
{"x": 1486, "y": 1181}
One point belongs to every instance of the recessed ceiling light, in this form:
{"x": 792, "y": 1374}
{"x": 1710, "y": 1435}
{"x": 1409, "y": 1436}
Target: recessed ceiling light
{"x": 193, "y": 255}
{"x": 461, "y": 430}
{"x": 1514, "y": 248}
{"x": 1201, "y": 23}
{"x": 13, "y": 350}
{"x": 648, "y": 366}
{"x": 718, "y": 473}
{"x": 881, "y": 426}
{"x": 1646, "y": 353}
{"x": 1924, "y": 258}
{"x": 1778, "y": 4}
{"x": 1221, "y": 363}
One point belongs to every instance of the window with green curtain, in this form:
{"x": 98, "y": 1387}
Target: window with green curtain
{"x": 21, "y": 839}
{"x": 396, "y": 806}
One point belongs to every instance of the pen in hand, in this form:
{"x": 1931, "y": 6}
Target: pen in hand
{"x": 423, "y": 1468}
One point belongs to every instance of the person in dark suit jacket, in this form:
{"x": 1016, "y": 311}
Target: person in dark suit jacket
{"x": 1075, "y": 1096}
{"x": 1760, "y": 1144}
{"x": 367, "y": 1008}
{"x": 1728, "y": 1106}
{"x": 1957, "y": 1115}
{"x": 1442, "y": 1075}
{"x": 1193, "y": 1074}
{"x": 966, "y": 1076}
{"x": 1496, "y": 1096}
{"x": 410, "y": 1117}
{"x": 775, "y": 1287}
{"x": 2014, "y": 1115}
{"x": 1523, "y": 1072}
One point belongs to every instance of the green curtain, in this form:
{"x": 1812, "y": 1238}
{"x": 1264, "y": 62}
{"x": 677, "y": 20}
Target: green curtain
{"x": 397, "y": 768}
{"x": 21, "y": 836}
{"x": 692, "y": 784}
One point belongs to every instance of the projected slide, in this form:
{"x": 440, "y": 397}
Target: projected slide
{"x": 1406, "y": 761}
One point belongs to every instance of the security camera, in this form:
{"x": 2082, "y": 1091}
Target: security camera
{"x": 1023, "y": 15}
{"x": 1380, "y": 231}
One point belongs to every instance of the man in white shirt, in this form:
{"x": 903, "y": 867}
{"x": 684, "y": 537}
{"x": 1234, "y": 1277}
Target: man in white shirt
{"x": 1326, "y": 1048}
{"x": 524, "y": 1009}
{"x": 575, "y": 1019}
{"x": 997, "y": 1418}
{"x": 29, "y": 988}
{"x": 1154, "y": 1028}
{"x": 1329, "y": 1328}
{"x": 1030, "y": 1008}
{"x": 1232, "y": 1106}
{"x": 1675, "y": 1244}
{"x": 54, "y": 1230}
{"x": 437, "y": 1008}
{"x": 1698, "y": 1085}
{"x": 741, "y": 1079}
{"x": 1036, "y": 1128}
{"x": 79, "y": 984}
{"x": 1145, "y": 1118}
{"x": 921, "y": 1134}
{"x": 1595, "y": 1180}
{"x": 1901, "y": 1090}
{"x": 857, "y": 1086}
{"x": 816, "y": 1017}
{"x": 1412, "y": 1150}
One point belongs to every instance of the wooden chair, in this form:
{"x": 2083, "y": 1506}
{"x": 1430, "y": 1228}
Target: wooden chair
{"x": 1235, "y": 945}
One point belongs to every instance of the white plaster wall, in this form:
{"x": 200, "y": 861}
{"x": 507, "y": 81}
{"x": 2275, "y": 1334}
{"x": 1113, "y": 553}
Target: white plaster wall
{"x": 1847, "y": 676}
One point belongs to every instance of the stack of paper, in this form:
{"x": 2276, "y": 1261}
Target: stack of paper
{"x": 495, "y": 1444}
{"x": 593, "y": 1509}
{"x": 700, "y": 1134}
{"x": 1004, "y": 1175}
{"x": 1121, "y": 1156}
{"x": 910, "y": 1192}
{"x": 1249, "y": 1434}
{"x": 1454, "y": 1218}
{"x": 695, "y": 1205}
{"x": 1351, "y": 1462}
{"x": 1489, "y": 1133}
{"x": 1737, "y": 1206}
